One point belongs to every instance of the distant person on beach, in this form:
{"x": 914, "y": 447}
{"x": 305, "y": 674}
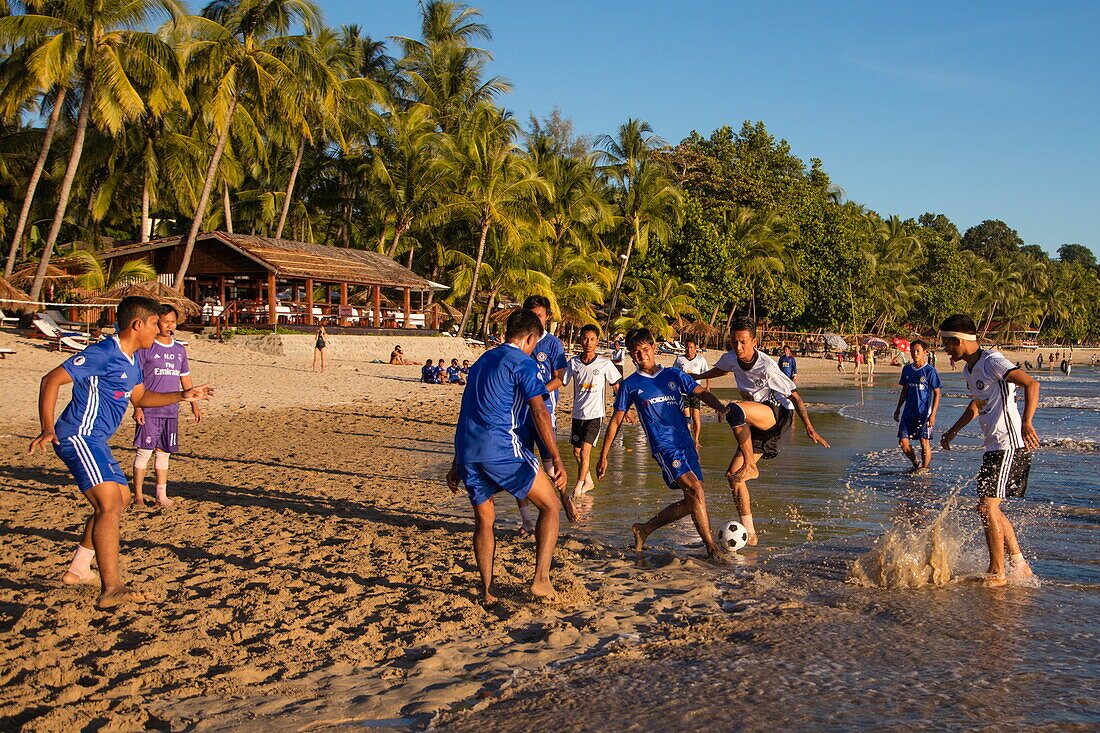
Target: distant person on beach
{"x": 618, "y": 356}
{"x": 860, "y": 358}
{"x": 104, "y": 379}
{"x": 992, "y": 381}
{"x": 397, "y": 357}
{"x": 454, "y": 373}
{"x": 918, "y": 403}
{"x": 493, "y": 448}
{"x": 769, "y": 400}
{"x": 840, "y": 361}
{"x": 1039, "y": 361}
{"x": 427, "y": 372}
{"x": 870, "y": 361}
{"x": 165, "y": 368}
{"x": 438, "y": 371}
{"x": 589, "y": 373}
{"x": 319, "y": 349}
{"x": 658, "y": 395}
{"x": 549, "y": 356}
{"x": 788, "y": 365}
{"x": 693, "y": 362}
{"x": 465, "y": 367}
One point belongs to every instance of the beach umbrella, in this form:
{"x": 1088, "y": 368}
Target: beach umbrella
{"x": 900, "y": 344}
{"x": 875, "y": 342}
{"x": 501, "y": 316}
{"x": 151, "y": 289}
{"x": 11, "y": 297}
{"x": 24, "y": 276}
{"x": 445, "y": 310}
{"x": 836, "y": 343}
{"x": 700, "y": 329}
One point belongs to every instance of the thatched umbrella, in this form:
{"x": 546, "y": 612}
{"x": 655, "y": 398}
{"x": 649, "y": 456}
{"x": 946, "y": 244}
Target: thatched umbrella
{"x": 24, "y": 276}
{"x": 152, "y": 289}
{"x": 501, "y": 316}
{"x": 9, "y": 293}
{"x": 445, "y": 310}
{"x": 701, "y": 330}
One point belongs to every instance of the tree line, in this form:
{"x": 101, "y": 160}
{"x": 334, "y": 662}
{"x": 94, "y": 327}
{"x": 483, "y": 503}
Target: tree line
{"x": 132, "y": 119}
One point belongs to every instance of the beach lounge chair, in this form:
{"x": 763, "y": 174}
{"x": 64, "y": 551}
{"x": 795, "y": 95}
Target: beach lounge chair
{"x": 6, "y": 320}
{"x": 47, "y": 329}
{"x": 69, "y": 343}
{"x": 5, "y": 353}
{"x": 61, "y": 321}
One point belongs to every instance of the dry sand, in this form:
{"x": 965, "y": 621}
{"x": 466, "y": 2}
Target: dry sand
{"x": 317, "y": 574}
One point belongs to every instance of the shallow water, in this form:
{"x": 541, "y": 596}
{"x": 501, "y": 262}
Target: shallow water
{"x": 928, "y": 657}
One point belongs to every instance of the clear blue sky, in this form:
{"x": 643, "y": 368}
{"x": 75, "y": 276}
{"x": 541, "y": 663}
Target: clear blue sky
{"x": 978, "y": 110}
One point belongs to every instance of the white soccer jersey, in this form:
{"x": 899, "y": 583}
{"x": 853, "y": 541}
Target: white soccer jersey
{"x": 698, "y": 365}
{"x": 996, "y": 398}
{"x": 588, "y": 385}
{"x": 763, "y": 380}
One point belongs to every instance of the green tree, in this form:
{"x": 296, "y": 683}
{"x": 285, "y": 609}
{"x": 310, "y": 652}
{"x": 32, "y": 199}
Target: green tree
{"x": 991, "y": 238}
{"x": 1076, "y": 253}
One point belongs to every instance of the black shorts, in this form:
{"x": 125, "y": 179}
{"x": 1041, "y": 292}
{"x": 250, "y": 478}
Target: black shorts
{"x": 692, "y": 402}
{"x": 585, "y": 431}
{"x": 1004, "y": 474}
{"x": 766, "y": 442}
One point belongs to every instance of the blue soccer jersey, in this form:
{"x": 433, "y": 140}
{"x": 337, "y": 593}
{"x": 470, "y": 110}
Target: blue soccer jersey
{"x": 493, "y": 421}
{"x": 659, "y": 399}
{"x": 919, "y": 384}
{"x": 103, "y": 378}
{"x": 453, "y": 374}
{"x": 549, "y": 354}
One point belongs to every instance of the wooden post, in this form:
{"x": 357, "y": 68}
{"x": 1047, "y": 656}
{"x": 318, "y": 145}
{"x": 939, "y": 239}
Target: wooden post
{"x": 272, "y": 315}
{"x": 309, "y": 301}
{"x": 408, "y": 307}
{"x": 377, "y": 296}
{"x": 221, "y": 291}
{"x": 343, "y": 303}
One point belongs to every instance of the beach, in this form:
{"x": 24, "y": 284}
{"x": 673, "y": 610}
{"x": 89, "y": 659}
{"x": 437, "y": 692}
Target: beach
{"x": 318, "y": 574}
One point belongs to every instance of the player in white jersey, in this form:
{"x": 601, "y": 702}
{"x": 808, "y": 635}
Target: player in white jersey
{"x": 589, "y": 373}
{"x": 769, "y": 400}
{"x": 693, "y": 362}
{"x": 1009, "y": 438}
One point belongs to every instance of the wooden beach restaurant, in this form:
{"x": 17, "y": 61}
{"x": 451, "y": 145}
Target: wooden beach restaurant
{"x": 242, "y": 279}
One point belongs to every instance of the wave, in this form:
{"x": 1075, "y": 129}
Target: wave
{"x": 1069, "y": 401}
{"x": 1070, "y": 445}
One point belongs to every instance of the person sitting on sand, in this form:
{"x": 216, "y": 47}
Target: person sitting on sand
{"x": 769, "y": 400}
{"x": 920, "y": 396}
{"x": 427, "y": 373}
{"x": 494, "y": 448}
{"x": 465, "y": 369}
{"x": 105, "y": 379}
{"x": 658, "y": 394}
{"x": 454, "y": 373}
{"x": 165, "y": 368}
{"x": 397, "y": 358}
{"x": 439, "y": 372}
{"x": 992, "y": 381}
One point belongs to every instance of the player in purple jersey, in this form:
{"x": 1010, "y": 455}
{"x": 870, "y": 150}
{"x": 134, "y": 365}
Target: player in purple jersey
{"x": 658, "y": 394}
{"x": 165, "y": 368}
{"x": 105, "y": 377}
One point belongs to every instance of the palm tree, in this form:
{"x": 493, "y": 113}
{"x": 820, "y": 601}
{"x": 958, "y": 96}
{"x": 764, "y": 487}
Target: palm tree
{"x": 97, "y": 276}
{"x": 496, "y": 184}
{"x": 241, "y": 53}
{"x": 648, "y": 200}
{"x": 654, "y": 304}
{"x": 112, "y": 58}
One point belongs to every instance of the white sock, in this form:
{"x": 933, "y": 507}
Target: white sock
{"x": 1018, "y": 559}
{"x": 746, "y": 519}
{"x": 82, "y": 561}
{"x": 162, "y": 491}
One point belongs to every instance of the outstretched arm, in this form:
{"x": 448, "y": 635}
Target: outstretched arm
{"x": 712, "y": 373}
{"x": 710, "y": 400}
{"x": 608, "y": 440}
{"x": 142, "y": 397}
{"x": 1031, "y": 402}
{"x": 47, "y": 407}
{"x": 804, "y": 416}
{"x": 969, "y": 414}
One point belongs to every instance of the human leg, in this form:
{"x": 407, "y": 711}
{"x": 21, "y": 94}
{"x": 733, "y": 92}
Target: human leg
{"x": 696, "y": 425}
{"x": 907, "y": 449}
{"x": 584, "y": 472}
{"x": 739, "y": 487}
{"x": 141, "y": 465}
{"x": 160, "y": 467}
{"x": 108, "y": 500}
{"x": 485, "y": 547}
{"x": 993, "y": 520}
{"x": 925, "y": 452}
{"x": 545, "y": 498}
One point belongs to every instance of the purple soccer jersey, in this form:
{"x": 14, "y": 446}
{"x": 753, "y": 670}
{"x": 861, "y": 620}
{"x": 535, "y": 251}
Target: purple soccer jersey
{"x": 163, "y": 365}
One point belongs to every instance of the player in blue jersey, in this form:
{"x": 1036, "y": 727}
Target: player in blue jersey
{"x": 659, "y": 395}
{"x": 920, "y": 398}
{"x": 106, "y": 379}
{"x": 501, "y": 405}
{"x": 549, "y": 356}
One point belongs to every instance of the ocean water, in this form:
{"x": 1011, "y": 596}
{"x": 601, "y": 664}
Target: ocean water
{"x": 912, "y": 646}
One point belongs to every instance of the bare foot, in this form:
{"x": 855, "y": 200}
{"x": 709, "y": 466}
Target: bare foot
{"x": 639, "y": 537}
{"x": 111, "y": 598}
{"x": 988, "y": 580}
{"x": 570, "y": 508}
{"x": 71, "y": 578}
{"x": 752, "y": 540}
{"x": 718, "y": 557}
{"x": 165, "y": 501}
{"x": 488, "y": 599}
{"x": 542, "y": 589}
{"x": 139, "y": 499}
{"x": 747, "y": 472}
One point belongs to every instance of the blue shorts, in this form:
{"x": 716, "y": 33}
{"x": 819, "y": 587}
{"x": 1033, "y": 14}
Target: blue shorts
{"x": 675, "y": 462}
{"x": 914, "y": 426}
{"x": 485, "y": 479}
{"x": 90, "y": 461}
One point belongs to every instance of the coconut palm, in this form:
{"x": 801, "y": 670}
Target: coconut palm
{"x": 95, "y": 275}
{"x": 241, "y": 53}
{"x": 655, "y": 304}
{"x": 112, "y": 59}
{"x": 496, "y": 185}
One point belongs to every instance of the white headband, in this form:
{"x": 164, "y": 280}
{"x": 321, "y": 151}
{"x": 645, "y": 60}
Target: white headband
{"x": 958, "y": 335}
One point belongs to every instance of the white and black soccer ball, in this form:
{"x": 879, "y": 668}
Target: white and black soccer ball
{"x": 733, "y": 535}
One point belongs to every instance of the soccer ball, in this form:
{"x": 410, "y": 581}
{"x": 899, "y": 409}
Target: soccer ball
{"x": 734, "y": 535}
